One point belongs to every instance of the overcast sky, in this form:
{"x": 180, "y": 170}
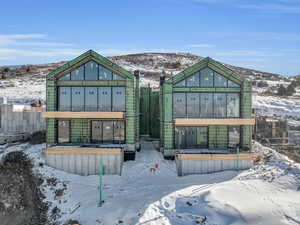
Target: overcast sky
{"x": 258, "y": 34}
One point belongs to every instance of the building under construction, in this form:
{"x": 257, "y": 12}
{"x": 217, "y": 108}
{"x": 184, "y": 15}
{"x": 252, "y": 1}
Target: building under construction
{"x": 206, "y": 118}
{"x": 92, "y": 115}
{"x": 96, "y": 112}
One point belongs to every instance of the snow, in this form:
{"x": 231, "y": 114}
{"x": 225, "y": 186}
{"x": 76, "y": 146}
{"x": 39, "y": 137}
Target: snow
{"x": 29, "y": 89}
{"x": 268, "y": 193}
{"x": 278, "y": 107}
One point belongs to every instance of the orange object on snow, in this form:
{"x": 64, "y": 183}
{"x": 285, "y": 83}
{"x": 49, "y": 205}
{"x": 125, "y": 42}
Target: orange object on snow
{"x": 156, "y": 165}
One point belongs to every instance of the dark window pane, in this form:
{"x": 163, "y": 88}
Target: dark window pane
{"x": 78, "y": 74}
{"x": 91, "y": 71}
{"x": 117, "y": 77}
{"x": 220, "y": 105}
{"x": 234, "y": 136}
{"x": 119, "y": 132}
{"x": 202, "y": 137}
{"x": 108, "y": 131}
{"x": 206, "y": 107}
{"x": 96, "y": 134}
{"x": 193, "y": 81}
{"x": 104, "y": 74}
{"x": 220, "y": 81}
{"x": 118, "y": 99}
{"x": 180, "y": 138}
{"x": 77, "y": 99}
{"x": 233, "y": 105}
{"x": 64, "y": 99}
{"x": 104, "y": 99}
{"x": 191, "y": 137}
{"x": 193, "y": 107}
{"x": 180, "y": 84}
{"x": 63, "y": 131}
{"x": 179, "y": 105}
{"x": 65, "y": 77}
{"x": 232, "y": 84}
{"x": 91, "y": 99}
{"x": 206, "y": 78}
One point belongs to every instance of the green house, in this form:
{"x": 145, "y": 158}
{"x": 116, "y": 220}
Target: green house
{"x": 205, "y": 109}
{"x": 92, "y": 104}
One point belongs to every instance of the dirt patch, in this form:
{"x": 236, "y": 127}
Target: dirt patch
{"x": 20, "y": 197}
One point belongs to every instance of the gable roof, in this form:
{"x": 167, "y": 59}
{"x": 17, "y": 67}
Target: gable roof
{"x": 85, "y": 57}
{"x": 212, "y": 64}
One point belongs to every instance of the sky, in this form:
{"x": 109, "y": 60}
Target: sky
{"x": 257, "y": 34}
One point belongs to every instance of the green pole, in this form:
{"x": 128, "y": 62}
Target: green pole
{"x": 101, "y": 172}
{"x": 237, "y": 157}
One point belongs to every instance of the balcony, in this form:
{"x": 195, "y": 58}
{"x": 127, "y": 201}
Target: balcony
{"x": 84, "y": 115}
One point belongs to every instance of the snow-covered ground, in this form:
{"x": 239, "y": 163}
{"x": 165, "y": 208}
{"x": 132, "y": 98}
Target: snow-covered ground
{"x": 269, "y": 193}
{"x": 34, "y": 88}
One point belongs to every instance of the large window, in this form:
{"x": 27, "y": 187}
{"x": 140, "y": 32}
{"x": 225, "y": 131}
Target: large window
{"x": 233, "y": 105}
{"x": 220, "y": 81}
{"x": 91, "y": 71}
{"x": 192, "y": 105}
{"x": 206, "y": 105}
{"x": 91, "y": 99}
{"x": 77, "y": 99}
{"x": 220, "y": 105}
{"x": 190, "y": 137}
{"x": 63, "y": 135}
{"x": 118, "y": 102}
{"x": 64, "y": 102}
{"x": 78, "y": 73}
{"x": 193, "y": 81}
{"x": 206, "y": 78}
{"x": 102, "y": 99}
{"x": 107, "y": 131}
{"x": 179, "y": 105}
{"x": 234, "y": 133}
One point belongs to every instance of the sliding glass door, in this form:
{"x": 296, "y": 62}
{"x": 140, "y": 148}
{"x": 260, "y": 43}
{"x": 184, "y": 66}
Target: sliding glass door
{"x": 107, "y": 131}
{"x": 191, "y": 138}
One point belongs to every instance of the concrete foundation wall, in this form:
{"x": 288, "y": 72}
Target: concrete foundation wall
{"x": 188, "y": 167}
{"x": 20, "y": 122}
{"x": 86, "y": 164}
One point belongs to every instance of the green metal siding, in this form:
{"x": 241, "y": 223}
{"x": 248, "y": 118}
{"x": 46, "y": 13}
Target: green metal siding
{"x": 217, "y": 135}
{"x": 80, "y": 128}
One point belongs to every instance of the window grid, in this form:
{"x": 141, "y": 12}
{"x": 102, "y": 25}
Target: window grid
{"x": 179, "y": 107}
{"x": 184, "y": 82}
{"x": 113, "y": 75}
{"x": 112, "y": 108}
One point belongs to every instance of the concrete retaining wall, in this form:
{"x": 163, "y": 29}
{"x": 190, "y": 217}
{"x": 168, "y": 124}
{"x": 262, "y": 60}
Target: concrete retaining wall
{"x": 86, "y": 164}
{"x": 188, "y": 167}
{"x": 20, "y": 122}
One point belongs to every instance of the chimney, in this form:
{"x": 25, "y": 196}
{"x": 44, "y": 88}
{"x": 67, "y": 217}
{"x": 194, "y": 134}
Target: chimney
{"x": 136, "y": 74}
{"x": 162, "y": 79}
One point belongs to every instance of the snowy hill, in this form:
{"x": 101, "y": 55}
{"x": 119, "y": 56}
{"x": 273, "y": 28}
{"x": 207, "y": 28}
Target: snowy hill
{"x": 28, "y": 81}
